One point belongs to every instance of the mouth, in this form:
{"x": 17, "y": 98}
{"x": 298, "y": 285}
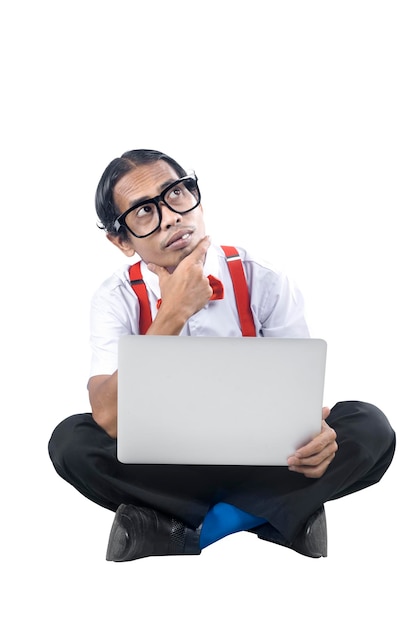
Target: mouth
{"x": 180, "y": 239}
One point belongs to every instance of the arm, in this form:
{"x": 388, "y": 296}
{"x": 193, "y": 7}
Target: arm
{"x": 183, "y": 293}
{"x": 103, "y": 393}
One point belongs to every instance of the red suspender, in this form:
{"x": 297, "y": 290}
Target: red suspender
{"x": 140, "y": 289}
{"x": 242, "y": 296}
{"x": 239, "y": 283}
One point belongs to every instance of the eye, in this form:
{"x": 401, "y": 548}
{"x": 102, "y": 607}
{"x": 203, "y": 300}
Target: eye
{"x": 176, "y": 192}
{"x": 144, "y": 210}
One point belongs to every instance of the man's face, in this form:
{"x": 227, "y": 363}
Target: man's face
{"x": 178, "y": 234}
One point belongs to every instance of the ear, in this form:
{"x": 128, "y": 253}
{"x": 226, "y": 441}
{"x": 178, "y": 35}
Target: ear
{"x": 123, "y": 244}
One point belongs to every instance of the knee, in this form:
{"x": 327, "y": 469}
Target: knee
{"x": 64, "y": 445}
{"x": 363, "y": 422}
{"x": 377, "y": 424}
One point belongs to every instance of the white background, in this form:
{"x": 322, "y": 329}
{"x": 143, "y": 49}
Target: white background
{"x": 300, "y": 119}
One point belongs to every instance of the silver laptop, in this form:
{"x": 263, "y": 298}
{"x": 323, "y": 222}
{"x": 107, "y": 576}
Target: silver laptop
{"x": 217, "y": 400}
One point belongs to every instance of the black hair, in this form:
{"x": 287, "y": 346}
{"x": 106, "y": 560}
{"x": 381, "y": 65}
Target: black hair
{"x": 106, "y": 208}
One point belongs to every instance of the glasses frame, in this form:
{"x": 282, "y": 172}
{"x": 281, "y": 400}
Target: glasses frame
{"x": 121, "y": 219}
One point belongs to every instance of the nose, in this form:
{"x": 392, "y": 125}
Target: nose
{"x": 168, "y": 218}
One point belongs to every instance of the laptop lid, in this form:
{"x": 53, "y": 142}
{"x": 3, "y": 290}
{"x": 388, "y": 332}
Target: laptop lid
{"x": 217, "y": 400}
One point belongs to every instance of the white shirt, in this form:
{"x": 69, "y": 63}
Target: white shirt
{"x": 276, "y": 303}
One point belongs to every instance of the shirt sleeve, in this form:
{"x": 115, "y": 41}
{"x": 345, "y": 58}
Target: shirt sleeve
{"x": 277, "y": 303}
{"x": 113, "y": 314}
{"x": 284, "y": 313}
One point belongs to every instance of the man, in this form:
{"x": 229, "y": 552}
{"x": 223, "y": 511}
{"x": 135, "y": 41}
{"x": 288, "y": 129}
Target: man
{"x": 149, "y": 206}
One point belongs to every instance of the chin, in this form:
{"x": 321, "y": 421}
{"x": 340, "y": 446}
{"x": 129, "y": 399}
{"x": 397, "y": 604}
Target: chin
{"x": 181, "y": 254}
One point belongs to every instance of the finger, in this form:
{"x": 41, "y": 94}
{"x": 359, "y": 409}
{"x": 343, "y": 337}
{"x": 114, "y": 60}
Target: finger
{"x": 157, "y": 269}
{"x": 313, "y": 472}
{"x": 326, "y": 438}
{"x": 199, "y": 253}
{"x": 325, "y": 455}
{"x": 325, "y": 412}
{"x": 314, "y": 459}
{"x": 319, "y": 452}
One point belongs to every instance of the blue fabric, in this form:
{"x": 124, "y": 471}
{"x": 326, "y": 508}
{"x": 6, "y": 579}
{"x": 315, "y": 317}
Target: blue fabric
{"x": 224, "y": 519}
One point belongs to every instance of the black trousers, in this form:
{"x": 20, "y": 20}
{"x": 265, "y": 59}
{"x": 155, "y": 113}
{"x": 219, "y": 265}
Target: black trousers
{"x": 85, "y": 456}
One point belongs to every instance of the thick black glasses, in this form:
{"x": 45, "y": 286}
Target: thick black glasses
{"x": 144, "y": 218}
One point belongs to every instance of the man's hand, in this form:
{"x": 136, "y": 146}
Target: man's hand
{"x": 185, "y": 291}
{"x": 313, "y": 459}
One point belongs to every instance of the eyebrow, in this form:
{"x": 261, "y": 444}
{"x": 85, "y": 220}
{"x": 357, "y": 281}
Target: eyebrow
{"x": 161, "y": 188}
